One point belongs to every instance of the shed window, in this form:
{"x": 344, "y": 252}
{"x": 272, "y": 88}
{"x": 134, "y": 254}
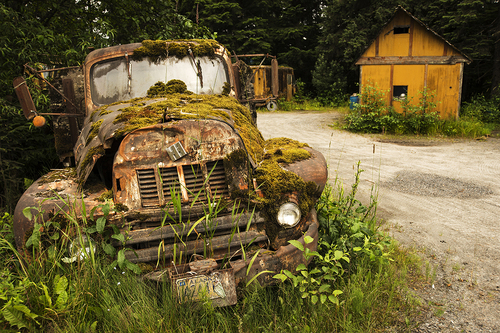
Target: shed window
{"x": 402, "y": 30}
{"x": 400, "y": 92}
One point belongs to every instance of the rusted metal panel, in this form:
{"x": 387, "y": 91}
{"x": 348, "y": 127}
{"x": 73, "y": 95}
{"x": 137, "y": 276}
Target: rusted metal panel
{"x": 171, "y": 230}
{"x": 50, "y": 194}
{"x": 106, "y": 135}
{"x": 275, "y": 79}
{"x": 314, "y": 169}
{"x": 145, "y": 149}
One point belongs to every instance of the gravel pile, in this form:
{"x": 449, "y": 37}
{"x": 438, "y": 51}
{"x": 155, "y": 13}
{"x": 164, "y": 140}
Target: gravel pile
{"x": 426, "y": 184}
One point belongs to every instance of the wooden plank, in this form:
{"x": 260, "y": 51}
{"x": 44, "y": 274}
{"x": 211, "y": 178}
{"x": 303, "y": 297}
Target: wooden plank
{"x": 197, "y": 246}
{"x": 180, "y": 230}
{"x": 24, "y": 97}
{"x": 433, "y": 60}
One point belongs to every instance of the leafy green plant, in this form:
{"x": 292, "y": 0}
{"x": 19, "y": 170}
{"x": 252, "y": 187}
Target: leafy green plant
{"x": 316, "y": 283}
{"x": 422, "y": 117}
{"x": 371, "y": 115}
{"x": 374, "y": 116}
{"x": 347, "y": 231}
{"x": 6, "y": 230}
{"x": 67, "y": 235}
{"x": 12, "y": 301}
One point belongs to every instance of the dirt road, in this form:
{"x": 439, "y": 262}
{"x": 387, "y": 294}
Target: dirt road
{"x": 440, "y": 196}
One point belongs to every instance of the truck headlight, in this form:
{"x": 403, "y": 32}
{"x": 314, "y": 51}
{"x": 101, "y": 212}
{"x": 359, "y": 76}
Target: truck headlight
{"x": 289, "y": 215}
{"x": 80, "y": 249}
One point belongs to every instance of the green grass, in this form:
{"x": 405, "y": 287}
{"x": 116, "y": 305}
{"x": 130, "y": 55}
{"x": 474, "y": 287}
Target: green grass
{"x": 97, "y": 296}
{"x": 305, "y": 105}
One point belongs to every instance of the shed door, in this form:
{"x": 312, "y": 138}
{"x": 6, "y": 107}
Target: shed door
{"x": 445, "y": 80}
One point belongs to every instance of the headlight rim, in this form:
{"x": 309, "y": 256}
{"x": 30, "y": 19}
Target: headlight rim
{"x": 289, "y": 206}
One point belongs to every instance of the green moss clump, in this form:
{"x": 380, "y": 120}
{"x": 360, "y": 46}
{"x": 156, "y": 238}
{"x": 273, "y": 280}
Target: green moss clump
{"x": 276, "y": 182}
{"x": 105, "y": 196}
{"x": 94, "y": 130}
{"x": 285, "y": 150}
{"x": 171, "y": 87}
{"x": 190, "y": 106}
{"x": 121, "y": 207}
{"x": 104, "y": 112}
{"x": 226, "y": 89}
{"x": 158, "y": 50}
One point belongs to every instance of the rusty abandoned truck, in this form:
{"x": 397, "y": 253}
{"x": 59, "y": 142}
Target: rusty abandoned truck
{"x": 187, "y": 173}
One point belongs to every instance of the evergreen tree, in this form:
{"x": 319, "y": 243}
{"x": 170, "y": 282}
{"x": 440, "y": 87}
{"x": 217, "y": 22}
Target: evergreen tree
{"x": 285, "y": 28}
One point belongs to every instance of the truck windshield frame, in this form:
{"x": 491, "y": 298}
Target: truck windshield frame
{"x": 122, "y": 78}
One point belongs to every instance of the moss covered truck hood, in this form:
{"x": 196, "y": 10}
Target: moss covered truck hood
{"x": 112, "y": 122}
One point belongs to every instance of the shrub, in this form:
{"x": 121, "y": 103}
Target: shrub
{"x": 374, "y": 116}
{"x": 482, "y": 110}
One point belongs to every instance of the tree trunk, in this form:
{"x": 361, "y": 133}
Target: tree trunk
{"x": 495, "y": 80}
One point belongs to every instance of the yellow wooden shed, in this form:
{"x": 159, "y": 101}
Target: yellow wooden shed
{"x": 406, "y": 57}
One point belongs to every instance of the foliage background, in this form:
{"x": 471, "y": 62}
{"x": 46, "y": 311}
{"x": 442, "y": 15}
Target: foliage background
{"x": 320, "y": 39}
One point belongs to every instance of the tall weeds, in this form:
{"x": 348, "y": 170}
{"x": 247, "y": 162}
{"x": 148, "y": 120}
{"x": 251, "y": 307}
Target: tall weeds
{"x": 41, "y": 292}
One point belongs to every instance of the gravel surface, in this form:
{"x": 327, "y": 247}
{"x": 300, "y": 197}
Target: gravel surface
{"x": 439, "y": 196}
{"x": 418, "y": 183}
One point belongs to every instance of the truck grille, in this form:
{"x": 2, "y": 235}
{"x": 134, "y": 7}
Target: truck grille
{"x": 189, "y": 182}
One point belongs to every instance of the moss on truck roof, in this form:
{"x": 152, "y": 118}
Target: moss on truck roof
{"x": 158, "y": 50}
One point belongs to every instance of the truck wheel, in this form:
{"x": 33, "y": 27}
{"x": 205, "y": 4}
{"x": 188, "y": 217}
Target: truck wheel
{"x": 272, "y": 106}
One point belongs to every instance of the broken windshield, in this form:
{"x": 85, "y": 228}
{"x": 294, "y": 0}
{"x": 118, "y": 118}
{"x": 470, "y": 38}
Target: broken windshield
{"x": 123, "y": 78}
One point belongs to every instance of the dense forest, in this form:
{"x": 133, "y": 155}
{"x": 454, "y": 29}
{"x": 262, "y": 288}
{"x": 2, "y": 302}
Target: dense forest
{"x": 320, "y": 39}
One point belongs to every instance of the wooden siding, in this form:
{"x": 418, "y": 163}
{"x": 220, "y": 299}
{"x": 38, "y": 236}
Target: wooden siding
{"x": 443, "y": 80}
{"x": 411, "y": 76}
{"x": 417, "y": 42}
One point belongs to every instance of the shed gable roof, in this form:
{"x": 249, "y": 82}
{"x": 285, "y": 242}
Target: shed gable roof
{"x": 370, "y": 56}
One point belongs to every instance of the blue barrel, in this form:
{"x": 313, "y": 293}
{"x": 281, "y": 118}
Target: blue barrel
{"x": 353, "y": 99}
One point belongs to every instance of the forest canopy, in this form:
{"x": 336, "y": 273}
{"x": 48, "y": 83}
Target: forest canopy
{"x": 320, "y": 39}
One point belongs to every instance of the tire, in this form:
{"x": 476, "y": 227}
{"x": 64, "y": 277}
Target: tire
{"x": 272, "y": 106}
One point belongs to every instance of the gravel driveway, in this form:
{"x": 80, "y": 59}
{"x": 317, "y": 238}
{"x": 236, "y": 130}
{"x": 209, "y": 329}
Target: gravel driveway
{"x": 440, "y": 196}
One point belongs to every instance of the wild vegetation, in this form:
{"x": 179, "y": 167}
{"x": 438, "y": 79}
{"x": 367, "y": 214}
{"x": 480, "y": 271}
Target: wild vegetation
{"x": 320, "y": 39}
{"x": 373, "y": 115}
{"x": 357, "y": 281}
